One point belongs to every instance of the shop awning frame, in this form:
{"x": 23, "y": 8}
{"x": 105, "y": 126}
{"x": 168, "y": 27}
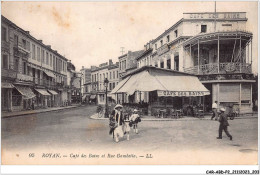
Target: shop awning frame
{"x": 43, "y": 92}
{"x": 6, "y": 85}
{"x": 26, "y": 92}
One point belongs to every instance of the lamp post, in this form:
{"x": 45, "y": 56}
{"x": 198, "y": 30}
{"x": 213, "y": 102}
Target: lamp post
{"x": 106, "y": 84}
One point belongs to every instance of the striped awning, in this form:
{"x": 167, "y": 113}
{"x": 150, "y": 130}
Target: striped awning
{"x": 50, "y": 74}
{"x": 43, "y": 92}
{"x": 53, "y": 92}
{"x": 26, "y": 92}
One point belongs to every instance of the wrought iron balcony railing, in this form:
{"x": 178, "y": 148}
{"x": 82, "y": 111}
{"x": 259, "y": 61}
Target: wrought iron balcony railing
{"x": 221, "y": 68}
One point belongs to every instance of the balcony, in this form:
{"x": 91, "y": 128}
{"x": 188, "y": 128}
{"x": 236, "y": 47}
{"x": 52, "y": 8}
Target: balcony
{"x": 8, "y": 73}
{"x": 221, "y": 68}
{"x": 21, "y": 52}
{"x": 46, "y": 83}
{"x": 23, "y": 77}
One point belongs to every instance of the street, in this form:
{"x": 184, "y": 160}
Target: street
{"x": 73, "y": 129}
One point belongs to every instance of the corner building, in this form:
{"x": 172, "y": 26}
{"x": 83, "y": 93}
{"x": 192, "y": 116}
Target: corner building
{"x": 216, "y": 47}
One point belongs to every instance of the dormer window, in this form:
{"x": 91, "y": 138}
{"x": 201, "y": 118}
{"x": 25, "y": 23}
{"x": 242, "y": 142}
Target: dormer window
{"x": 155, "y": 46}
{"x": 161, "y": 42}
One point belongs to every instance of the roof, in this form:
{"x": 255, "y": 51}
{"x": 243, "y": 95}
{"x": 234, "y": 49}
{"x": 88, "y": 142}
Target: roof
{"x": 144, "y": 53}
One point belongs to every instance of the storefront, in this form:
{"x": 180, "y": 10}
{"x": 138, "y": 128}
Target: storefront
{"x": 43, "y": 98}
{"x": 22, "y": 97}
{"x": 6, "y": 96}
{"x": 54, "y": 97}
{"x": 161, "y": 88}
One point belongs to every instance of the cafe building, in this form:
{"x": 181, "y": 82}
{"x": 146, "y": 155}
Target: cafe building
{"x": 217, "y": 48}
{"x": 164, "y": 89}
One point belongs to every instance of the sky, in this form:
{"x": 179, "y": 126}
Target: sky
{"x": 91, "y": 33}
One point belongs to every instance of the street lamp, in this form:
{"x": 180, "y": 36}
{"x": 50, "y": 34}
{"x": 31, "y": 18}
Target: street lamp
{"x": 106, "y": 84}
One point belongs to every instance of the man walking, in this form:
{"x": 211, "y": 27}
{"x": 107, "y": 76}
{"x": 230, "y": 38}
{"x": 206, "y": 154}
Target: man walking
{"x": 215, "y": 110}
{"x": 223, "y": 124}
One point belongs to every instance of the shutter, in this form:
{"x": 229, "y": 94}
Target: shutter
{"x": 229, "y": 92}
{"x": 246, "y": 92}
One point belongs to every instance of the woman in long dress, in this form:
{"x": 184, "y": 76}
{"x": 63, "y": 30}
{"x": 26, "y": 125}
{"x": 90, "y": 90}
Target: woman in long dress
{"x": 117, "y": 122}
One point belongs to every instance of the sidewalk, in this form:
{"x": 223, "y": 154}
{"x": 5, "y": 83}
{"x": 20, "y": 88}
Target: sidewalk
{"x": 28, "y": 112}
{"x": 185, "y": 118}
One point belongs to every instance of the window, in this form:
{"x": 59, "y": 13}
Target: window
{"x": 113, "y": 74}
{"x": 156, "y": 64}
{"x": 116, "y": 74}
{"x": 38, "y": 54}
{"x": 110, "y": 86}
{"x": 176, "y": 63}
{"x": 168, "y": 38}
{"x": 161, "y": 42}
{"x": 155, "y": 46}
{"x": 4, "y": 33}
{"x": 107, "y": 75}
{"x": 47, "y": 58}
{"x": 24, "y": 67}
{"x": 5, "y": 61}
{"x": 43, "y": 57}
{"x": 176, "y": 33}
{"x": 162, "y": 64}
{"x": 24, "y": 43}
{"x": 169, "y": 64}
{"x": 203, "y": 28}
{"x": 33, "y": 52}
{"x": 110, "y": 75}
{"x": 51, "y": 60}
{"x": 16, "y": 40}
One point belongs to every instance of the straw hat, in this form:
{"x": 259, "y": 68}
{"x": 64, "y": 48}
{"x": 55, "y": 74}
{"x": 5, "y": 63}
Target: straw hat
{"x": 118, "y": 106}
{"x": 222, "y": 109}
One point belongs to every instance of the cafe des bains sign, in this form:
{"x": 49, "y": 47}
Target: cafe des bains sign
{"x": 180, "y": 93}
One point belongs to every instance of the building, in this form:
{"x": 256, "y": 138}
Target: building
{"x": 71, "y": 74}
{"x": 76, "y": 95}
{"x": 214, "y": 46}
{"x": 127, "y": 62}
{"x": 107, "y": 70}
{"x": 33, "y": 74}
{"x": 85, "y": 83}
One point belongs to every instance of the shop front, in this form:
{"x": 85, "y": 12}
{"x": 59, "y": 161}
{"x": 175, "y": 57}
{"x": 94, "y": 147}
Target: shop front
{"x": 6, "y": 96}
{"x": 159, "y": 89}
{"x": 43, "y": 98}
{"x": 54, "y": 98}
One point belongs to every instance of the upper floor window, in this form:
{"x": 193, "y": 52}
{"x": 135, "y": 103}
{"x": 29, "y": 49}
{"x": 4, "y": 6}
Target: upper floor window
{"x": 33, "y": 52}
{"x": 176, "y": 33}
{"x": 4, "y": 33}
{"x": 203, "y": 28}
{"x": 168, "y": 38}
{"x": 162, "y": 64}
{"x": 51, "y": 60}
{"x": 43, "y": 56}
{"x": 155, "y": 46}
{"x": 161, "y": 42}
{"x": 38, "y": 54}
{"x": 110, "y": 75}
{"x": 16, "y": 40}
{"x": 5, "y": 61}
{"x": 47, "y": 58}
{"x": 116, "y": 74}
{"x": 24, "y": 43}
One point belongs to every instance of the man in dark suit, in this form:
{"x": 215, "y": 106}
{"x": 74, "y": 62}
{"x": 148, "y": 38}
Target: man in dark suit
{"x": 223, "y": 124}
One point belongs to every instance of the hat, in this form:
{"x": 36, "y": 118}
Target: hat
{"x": 135, "y": 110}
{"x": 222, "y": 109}
{"x": 118, "y": 106}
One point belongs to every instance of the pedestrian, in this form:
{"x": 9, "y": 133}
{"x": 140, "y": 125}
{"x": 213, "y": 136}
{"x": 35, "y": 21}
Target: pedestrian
{"x": 134, "y": 120}
{"x": 127, "y": 127}
{"x": 117, "y": 122}
{"x": 223, "y": 124}
{"x": 215, "y": 110}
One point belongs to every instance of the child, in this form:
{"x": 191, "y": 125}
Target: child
{"x": 134, "y": 119}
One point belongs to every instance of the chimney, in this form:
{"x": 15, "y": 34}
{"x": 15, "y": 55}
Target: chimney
{"x": 27, "y": 32}
{"x": 110, "y": 62}
{"x": 49, "y": 46}
{"x": 40, "y": 41}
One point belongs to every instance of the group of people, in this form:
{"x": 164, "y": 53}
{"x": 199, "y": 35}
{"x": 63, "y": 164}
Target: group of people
{"x": 222, "y": 118}
{"x": 120, "y": 125}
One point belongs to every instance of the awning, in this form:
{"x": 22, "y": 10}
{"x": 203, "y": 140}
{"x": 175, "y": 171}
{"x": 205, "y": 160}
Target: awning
{"x": 26, "y": 92}
{"x": 92, "y": 97}
{"x": 165, "y": 85}
{"x": 120, "y": 84}
{"x": 7, "y": 85}
{"x": 43, "y": 92}
{"x": 50, "y": 74}
{"x": 53, "y": 92}
{"x": 84, "y": 96}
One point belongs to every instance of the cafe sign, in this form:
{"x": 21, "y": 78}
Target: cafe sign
{"x": 219, "y": 15}
{"x": 181, "y": 93}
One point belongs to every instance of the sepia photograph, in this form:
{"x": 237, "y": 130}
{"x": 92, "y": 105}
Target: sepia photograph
{"x": 129, "y": 83}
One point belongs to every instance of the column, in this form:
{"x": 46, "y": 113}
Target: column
{"x": 158, "y": 62}
{"x": 198, "y": 56}
{"x": 218, "y": 53}
{"x": 172, "y": 61}
{"x": 251, "y": 106}
{"x": 241, "y": 61}
{"x": 251, "y": 52}
{"x": 165, "y": 62}
{"x": 240, "y": 89}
